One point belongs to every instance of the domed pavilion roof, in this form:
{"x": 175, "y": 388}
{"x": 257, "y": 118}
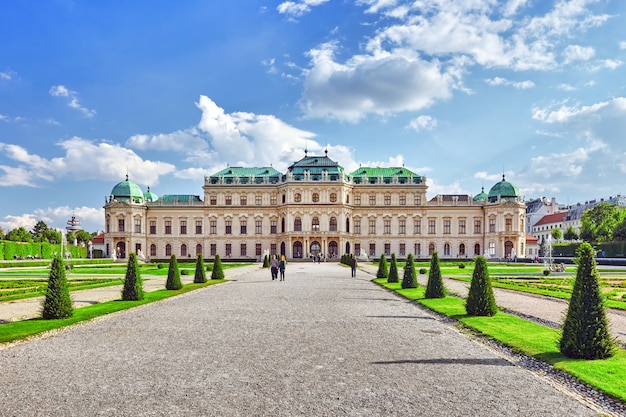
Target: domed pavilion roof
{"x": 127, "y": 191}
{"x": 503, "y": 190}
{"x": 482, "y": 196}
{"x": 150, "y": 197}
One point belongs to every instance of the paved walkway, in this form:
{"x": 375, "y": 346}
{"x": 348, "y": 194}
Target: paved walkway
{"x": 319, "y": 344}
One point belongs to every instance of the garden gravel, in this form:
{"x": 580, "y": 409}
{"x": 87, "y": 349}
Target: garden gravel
{"x": 318, "y": 344}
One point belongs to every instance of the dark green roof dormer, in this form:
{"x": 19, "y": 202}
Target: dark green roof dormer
{"x": 316, "y": 168}
{"x": 241, "y": 175}
{"x": 391, "y": 175}
{"x": 482, "y": 196}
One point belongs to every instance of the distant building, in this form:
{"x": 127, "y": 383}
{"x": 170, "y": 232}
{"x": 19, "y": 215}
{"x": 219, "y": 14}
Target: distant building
{"x": 539, "y": 207}
{"x": 544, "y": 227}
{"x": 314, "y": 208}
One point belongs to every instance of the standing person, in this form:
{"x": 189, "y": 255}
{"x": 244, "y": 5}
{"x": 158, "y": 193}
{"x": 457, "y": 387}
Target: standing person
{"x": 353, "y": 265}
{"x": 281, "y": 267}
{"x": 274, "y": 267}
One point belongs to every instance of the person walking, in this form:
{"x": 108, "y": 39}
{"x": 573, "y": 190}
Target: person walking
{"x": 281, "y": 267}
{"x": 274, "y": 267}
{"x": 353, "y": 265}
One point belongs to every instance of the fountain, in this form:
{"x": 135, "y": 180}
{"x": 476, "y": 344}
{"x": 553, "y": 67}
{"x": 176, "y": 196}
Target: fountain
{"x": 547, "y": 256}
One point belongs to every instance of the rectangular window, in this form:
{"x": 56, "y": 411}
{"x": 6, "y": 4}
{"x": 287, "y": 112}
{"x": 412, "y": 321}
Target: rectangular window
{"x": 273, "y": 200}
{"x": 417, "y": 227}
{"x": 417, "y": 249}
{"x": 168, "y": 227}
{"x": 137, "y": 225}
{"x": 153, "y": 227}
{"x": 492, "y": 225}
{"x": 477, "y": 227}
{"x": 387, "y": 249}
{"x": 198, "y": 227}
{"x": 357, "y": 249}
{"x": 402, "y": 227}
{"x": 387, "y": 200}
{"x": 372, "y": 199}
{"x": 273, "y": 249}
{"x": 229, "y": 200}
{"x": 229, "y": 227}
{"x": 431, "y": 227}
{"x": 152, "y": 250}
{"x": 357, "y": 200}
{"x": 258, "y": 249}
{"x": 229, "y": 249}
{"x": 402, "y": 200}
{"x": 213, "y": 249}
{"x": 447, "y": 227}
{"x": 183, "y": 227}
{"x": 213, "y": 227}
{"x": 258, "y": 200}
{"x": 387, "y": 227}
{"x": 243, "y": 249}
{"x": 372, "y": 227}
{"x": 357, "y": 227}
{"x": 213, "y": 200}
{"x": 243, "y": 200}
{"x": 508, "y": 224}
{"x": 243, "y": 227}
{"x": 120, "y": 225}
{"x": 258, "y": 227}
{"x": 402, "y": 249}
{"x": 372, "y": 249}
{"x": 273, "y": 227}
{"x": 462, "y": 227}
{"x": 418, "y": 200}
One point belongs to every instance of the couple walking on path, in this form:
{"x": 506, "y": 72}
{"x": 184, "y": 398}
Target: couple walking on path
{"x": 277, "y": 266}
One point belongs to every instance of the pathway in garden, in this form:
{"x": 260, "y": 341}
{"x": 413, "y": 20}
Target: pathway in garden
{"x": 318, "y": 344}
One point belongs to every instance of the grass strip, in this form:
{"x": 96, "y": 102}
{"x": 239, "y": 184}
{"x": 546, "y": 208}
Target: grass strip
{"x": 532, "y": 339}
{"x": 13, "y": 331}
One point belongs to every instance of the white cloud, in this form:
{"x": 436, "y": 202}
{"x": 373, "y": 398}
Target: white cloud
{"x": 520, "y": 85}
{"x": 55, "y": 217}
{"x": 5, "y": 76}
{"x": 610, "y": 64}
{"x": 573, "y": 53}
{"x": 106, "y": 161}
{"x": 423, "y": 122}
{"x": 622, "y": 45}
{"x": 578, "y": 113}
{"x": 295, "y": 9}
{"x": 566, "y": 87}
{"x": 72, "y": 96}
{"x": 186, "y": 141}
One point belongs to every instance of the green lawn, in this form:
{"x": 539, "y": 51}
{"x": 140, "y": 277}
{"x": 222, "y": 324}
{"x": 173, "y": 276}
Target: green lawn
{"x": 535, "y": 340}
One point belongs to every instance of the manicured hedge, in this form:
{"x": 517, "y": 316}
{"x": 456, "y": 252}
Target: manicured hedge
{"x": 11, "y": 250}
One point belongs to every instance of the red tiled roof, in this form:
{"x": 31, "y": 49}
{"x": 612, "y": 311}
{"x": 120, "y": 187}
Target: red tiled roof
{"x": 531, "y": 240}
{"x": 99, "y": 239}
{"x": 552, "y": 218}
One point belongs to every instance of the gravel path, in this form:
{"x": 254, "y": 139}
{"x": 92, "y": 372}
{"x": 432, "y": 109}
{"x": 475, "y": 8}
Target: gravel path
{"x": 319, "y": 344}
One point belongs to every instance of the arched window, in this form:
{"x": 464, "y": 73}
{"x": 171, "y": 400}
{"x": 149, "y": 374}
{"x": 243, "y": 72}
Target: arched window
{"x": 297, "y": 224}
{"x": 347, "y": 228}
{"x": 431, "y": 249}
{"x": 477, "y": 249}
{"x": 332, "y": 226}
{"x": 168, "y": 250}
{"x": 446, "y": 249}
{"x": 462, "y": 249}
{"x": 198, "y": 249}
{"x": 153, "y": 250}
{"x": 315, "y": 224}
{"x": 183, "y": 250}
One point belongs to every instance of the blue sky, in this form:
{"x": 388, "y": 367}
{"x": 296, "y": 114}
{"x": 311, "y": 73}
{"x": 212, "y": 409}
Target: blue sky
{"x": 458, "y": 91}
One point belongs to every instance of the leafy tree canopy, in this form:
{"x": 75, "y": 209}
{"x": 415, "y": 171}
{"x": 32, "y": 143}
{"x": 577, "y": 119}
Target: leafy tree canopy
{"x": 599, "y": 223}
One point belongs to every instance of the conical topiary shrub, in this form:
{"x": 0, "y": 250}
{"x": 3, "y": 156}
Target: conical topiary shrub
{"x": 173, "y": 275}
{"x": 383, "y": 268}
{"x": 200, "y": 275}
{"x": 57, "y": 304}
{"x": 435, "y": 287}
{"x": 133, "y": 287}
{"x": 586, "y": 328}
{"x": 393, "y": 270}
{"x": 480, "y": 300}
{"x": 409, "y": 279}
{"x": 218, "y": 271}
{"x": 266, "y": 262}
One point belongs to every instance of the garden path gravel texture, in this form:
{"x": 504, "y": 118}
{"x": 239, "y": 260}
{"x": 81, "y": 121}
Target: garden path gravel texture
{"x": 318, "y": 344}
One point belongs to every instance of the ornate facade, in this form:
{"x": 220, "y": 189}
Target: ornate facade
{"x": 314, "y": 208}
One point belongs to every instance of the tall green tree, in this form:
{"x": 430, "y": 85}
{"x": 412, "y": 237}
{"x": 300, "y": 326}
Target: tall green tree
{"x": 218, "y": 271}
{"x": 393, "y": 270}
{"x": 200, "y": 274}
{"x": 57, "y": 304}
{"x": 133, "y": 286}
{"x": 586, "y": 327}
{"x": 480, "y": 299}
{"x": 570, "y": 233}
{"x": 435, "y": 287}
{"x": 409, "y": 279}
{"x": 557, "y": 234}
{"x": 383, "y": 267}
{"x": 19, "y": 235}
{"x": 599, "y": 223}
{"x": 39, "y": 231}
{"x": 173, "y": 275}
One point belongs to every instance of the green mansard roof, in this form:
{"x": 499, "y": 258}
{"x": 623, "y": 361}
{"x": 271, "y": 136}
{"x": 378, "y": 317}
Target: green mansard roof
{"x": 243, "y": 175}
{"x": 386, "y": 175}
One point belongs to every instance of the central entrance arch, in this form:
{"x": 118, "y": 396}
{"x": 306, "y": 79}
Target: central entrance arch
{"x": 297, "y": 249}
{"x": 315, "y": 248}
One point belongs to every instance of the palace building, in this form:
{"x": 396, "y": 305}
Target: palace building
{"x": 314, "y": 208}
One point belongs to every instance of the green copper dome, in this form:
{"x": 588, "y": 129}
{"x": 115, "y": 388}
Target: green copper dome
{"x": 127, "y": 191}
{"x": 482, "y": 196}
{"x": 150, "y": 197}
{"x": 504, "y": 190}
